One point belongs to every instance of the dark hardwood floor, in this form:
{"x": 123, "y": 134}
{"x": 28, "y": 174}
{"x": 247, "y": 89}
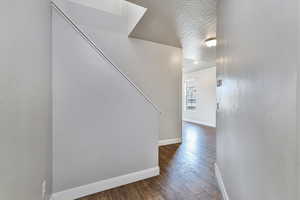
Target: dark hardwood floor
{"x": 186, "y": 171}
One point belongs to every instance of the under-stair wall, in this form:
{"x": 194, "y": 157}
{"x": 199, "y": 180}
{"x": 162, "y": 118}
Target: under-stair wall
{"x": 103, "y": 127}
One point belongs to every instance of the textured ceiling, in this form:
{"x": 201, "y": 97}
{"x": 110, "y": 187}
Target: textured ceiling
{"x": 180, "y": 23}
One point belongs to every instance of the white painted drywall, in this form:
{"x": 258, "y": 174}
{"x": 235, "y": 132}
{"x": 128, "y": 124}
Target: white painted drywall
{"x": 298, "y": 104}
{"x": 115, "y": 15}
{"x": 109, "y": 6}
{"x": 205, "y": 112}
{"x": 102, "y": 126}
{"x": 155, "y": 68}
{"x": 25, "y": 106}
{"x": 133, "y": 13}
{"x": 256, "y": 124}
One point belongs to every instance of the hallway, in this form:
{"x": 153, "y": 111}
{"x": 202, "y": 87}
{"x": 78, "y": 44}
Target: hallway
{"x": 186, "y": 171}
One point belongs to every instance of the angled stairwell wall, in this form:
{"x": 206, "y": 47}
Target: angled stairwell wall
{"x": 102, "y": 126}
{"x": 105, "y": 132}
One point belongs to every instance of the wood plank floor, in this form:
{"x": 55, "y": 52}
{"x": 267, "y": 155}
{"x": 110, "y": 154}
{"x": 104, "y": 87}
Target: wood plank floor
{"x": 186, "y": 171}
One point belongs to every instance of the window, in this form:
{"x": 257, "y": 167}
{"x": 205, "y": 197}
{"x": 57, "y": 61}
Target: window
{"x": 190, "y": 95}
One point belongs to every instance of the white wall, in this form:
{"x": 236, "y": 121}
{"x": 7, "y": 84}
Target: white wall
{"x": 298, "y": 104}
{"x": 256, "y": 125}
{"x": 110, "y": 6}
{"x": 102, "y": 126}
{"x": 25, "y": 107}
{"x": 155, "y": 68}
{"x": 205, "y": 112}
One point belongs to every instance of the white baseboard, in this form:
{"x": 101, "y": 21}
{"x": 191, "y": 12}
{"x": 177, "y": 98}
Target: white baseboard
{"x": 169, "y": 141}
{"x": 103, "y": 185}
{"x": 221, "y": 183}
{"x": 200, "y": 123}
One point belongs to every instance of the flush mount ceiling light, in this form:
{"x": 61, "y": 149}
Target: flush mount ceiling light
{"x": 210, "y": 42}
{"x": 196, "y": 62}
